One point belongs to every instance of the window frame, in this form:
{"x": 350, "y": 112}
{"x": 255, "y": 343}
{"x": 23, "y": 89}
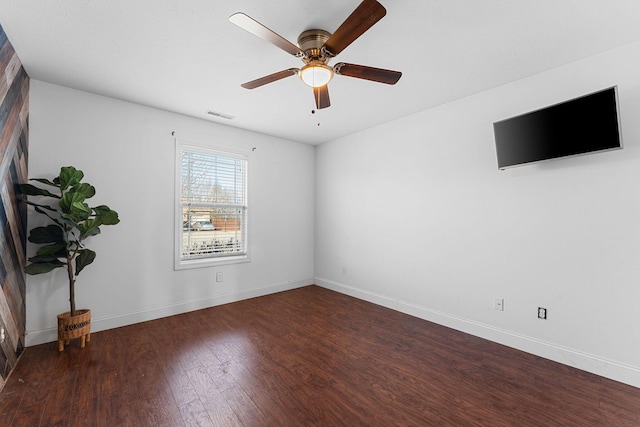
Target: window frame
{"x": 206, "y": 261}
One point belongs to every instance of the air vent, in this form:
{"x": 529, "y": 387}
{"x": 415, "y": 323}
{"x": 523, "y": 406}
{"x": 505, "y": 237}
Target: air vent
{"x": 221, "y": 115}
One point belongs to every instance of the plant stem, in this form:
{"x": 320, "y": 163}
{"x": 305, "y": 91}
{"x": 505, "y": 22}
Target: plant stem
{"x": 72, "y": 287}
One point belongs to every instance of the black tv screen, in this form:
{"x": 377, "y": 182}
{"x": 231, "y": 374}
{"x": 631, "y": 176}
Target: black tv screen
{"x": 582, "y": 125}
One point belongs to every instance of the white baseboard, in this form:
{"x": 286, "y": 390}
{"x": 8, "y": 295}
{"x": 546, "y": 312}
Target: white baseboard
{"x": 587, "y": 362}
{"x": 104, "y": 323}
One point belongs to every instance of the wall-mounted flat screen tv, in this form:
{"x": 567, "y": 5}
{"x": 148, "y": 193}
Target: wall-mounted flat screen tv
{"x": 582, "y": 125}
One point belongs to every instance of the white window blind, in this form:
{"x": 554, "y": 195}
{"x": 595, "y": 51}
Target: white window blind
{"x": 212, "y": 205}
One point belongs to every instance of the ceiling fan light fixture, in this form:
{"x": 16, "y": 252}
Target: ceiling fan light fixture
{"x": 316, "y": 75}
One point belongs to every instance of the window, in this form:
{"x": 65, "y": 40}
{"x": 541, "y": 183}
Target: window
{"x": 211, "y": 205}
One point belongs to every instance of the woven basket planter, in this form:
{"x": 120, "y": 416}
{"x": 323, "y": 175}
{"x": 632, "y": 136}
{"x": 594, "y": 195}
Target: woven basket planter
{"x": 70, "y": 327}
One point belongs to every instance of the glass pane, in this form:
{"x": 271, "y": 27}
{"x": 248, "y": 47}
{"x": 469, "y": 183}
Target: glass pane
{"x": 208, "y": 232}
{"x": 209, "y": 178}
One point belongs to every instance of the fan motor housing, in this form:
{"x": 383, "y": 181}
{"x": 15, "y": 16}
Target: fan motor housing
{"x": 311, "y": 42}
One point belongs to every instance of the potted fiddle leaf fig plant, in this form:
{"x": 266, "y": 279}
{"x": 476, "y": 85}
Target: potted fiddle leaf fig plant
{"x": 71, "y": 221}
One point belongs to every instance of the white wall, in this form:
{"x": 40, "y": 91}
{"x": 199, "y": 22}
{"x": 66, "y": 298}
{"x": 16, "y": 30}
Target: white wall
{"x": 415, "y": 210}
{"x": 127, "y": 153}
{"x": 418, "y": 214}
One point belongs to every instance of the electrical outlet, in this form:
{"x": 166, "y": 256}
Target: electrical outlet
{"x": 499, "y": 304}
{"x": 542, "y": 313}
{"x": 219, "y": 276}
{"x": 344, "y": 271}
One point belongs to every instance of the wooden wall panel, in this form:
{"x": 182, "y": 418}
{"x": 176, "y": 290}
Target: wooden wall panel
{"x": 14, "y": 144}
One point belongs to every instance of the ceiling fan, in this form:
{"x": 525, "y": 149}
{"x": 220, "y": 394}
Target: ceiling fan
{"x": 317, "y": 47}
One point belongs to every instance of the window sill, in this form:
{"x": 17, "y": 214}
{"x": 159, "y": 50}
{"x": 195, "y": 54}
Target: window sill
{"x": 209, "y": 262}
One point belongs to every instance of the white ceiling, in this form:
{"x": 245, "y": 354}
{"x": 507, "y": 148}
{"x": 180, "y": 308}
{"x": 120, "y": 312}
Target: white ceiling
{"x": 185, "y": 56}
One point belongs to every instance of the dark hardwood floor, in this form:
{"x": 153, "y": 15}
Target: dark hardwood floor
{"x": 307, "y": 357}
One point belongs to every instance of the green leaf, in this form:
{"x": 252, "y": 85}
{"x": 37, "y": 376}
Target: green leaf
{"x": 49, "y": 234}
{"x": 38, "y": 207}
{"x": 43, "y": 259}
{"x": 64, "y": 219}
{"x": 73, "y": 206}
{"x": 90, "y": 232}
{"x": 101, "y": 209}
{"x": 32, "y": 190}
{"x": 85, "y": 189}
{"x": 84, "y": 258}
{"x": 69, "y": 176}
{"x": 42, "y": 267}
{"x": 80, "y": 211}
{"x": 110, "y": 218}
{"x": 89, "y": 227}
{"x": 106, "y": 215}
{"x": 45, "y": 181}
{"x": 69, "y": 199}
{"x": 56, "y": 250}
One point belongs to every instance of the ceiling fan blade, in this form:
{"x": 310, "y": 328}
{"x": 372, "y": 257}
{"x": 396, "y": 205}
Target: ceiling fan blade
{"x": 379, "y": 75}
{"x": 270, "y": 78}
{"x": 322, "y": 96}
{"x": 254, "y": 27}
{"x": 361, "y": 19}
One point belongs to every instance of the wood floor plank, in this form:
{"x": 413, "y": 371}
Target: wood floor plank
{"x": 307, "y": 357}
{"x": 245, "y": 409}
{"x": 181, "y": 386}
{"x": 194, "y": 414}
